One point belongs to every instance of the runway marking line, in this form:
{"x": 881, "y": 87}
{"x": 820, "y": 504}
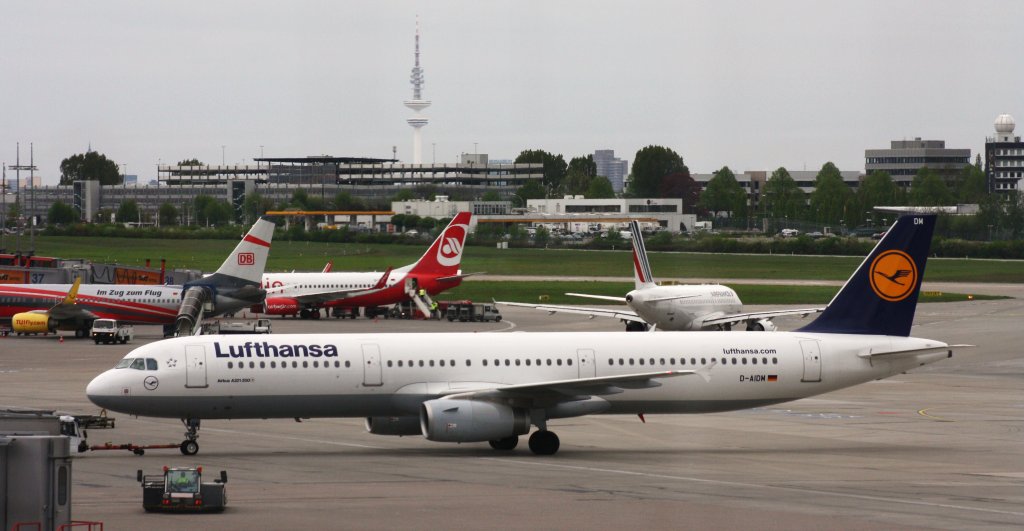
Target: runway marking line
{"x": 924, "y": 413}
{"x": 547, "y": 464}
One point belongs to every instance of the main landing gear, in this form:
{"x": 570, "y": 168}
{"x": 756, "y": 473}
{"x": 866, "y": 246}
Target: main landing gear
{"x": 189, "y": 446}
{"x": 542, "y": 442}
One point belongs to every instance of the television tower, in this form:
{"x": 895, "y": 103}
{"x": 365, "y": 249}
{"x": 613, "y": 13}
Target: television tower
{"x": 417, "y": 104}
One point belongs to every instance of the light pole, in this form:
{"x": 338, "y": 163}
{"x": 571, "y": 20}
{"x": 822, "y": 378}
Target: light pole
{"x": 222, "y": 146}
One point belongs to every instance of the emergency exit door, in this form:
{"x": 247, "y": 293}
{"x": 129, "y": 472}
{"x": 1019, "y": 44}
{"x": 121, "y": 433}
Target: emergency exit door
{"x": 587, "y": 365}
{"x": 371, "y": 366}
{"x": 195, "y": 366}
{"x": 812, "y": 361}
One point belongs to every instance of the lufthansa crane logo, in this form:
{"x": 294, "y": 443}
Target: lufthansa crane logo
{"x": 151, "y": 383}
{"x": 449, "y": 253}
{"x": 893, "y": 275}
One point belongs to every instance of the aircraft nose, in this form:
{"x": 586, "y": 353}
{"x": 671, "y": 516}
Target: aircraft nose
{"x": 102, "y": 391}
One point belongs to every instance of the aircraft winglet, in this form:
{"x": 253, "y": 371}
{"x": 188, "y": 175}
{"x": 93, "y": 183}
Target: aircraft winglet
{"x": 72, "y": 295}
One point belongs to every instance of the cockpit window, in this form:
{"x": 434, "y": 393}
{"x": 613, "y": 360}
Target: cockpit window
{"x": 150, "y": 364}
{"x": 138, "y": 364}
{"x": 124, "y": 363}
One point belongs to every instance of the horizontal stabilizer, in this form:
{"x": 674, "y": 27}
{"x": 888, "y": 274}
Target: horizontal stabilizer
{"x": 460, "y": 276}
{"x": 887, "y": 354}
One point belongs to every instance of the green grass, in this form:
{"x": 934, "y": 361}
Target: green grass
{"x": 553, "y": 292}
{"x": 310, "y": 256}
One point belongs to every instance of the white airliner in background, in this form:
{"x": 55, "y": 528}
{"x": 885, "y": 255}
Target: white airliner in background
{"x": 454, "y": 387}
{"x": 672, "y": 307}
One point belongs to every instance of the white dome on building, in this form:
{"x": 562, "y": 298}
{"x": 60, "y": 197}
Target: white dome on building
{"x": 1005, "y": 123}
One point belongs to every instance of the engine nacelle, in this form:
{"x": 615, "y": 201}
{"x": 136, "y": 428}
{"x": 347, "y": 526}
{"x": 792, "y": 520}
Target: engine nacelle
{"x": 281, "y": 306}
{"x": 32, "y": 323}
{"x": 394, "y": 426}
{"x": 761, "y": 325}
{"x": 471, "y": 421}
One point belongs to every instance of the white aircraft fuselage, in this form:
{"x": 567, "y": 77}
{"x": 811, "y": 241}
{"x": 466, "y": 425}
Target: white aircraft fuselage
{"x": 285, "y": 376}
{"x": 683, "y": 307}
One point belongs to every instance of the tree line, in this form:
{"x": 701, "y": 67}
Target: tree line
{"x": 656, "y": 172}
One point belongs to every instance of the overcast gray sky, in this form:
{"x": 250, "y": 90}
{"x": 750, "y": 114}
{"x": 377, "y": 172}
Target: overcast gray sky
{"x": 752, "y": 85}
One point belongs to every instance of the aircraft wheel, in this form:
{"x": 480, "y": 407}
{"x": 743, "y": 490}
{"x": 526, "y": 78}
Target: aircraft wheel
{"x": 189, "y": 447}
{"x": 508, "y": 443}
{"x": 79, "y": 333}
{"x": 544, "y": 442}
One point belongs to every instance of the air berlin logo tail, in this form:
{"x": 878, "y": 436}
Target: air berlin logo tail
{"x": 449, "y": 253}
{"x": 893, "y": 275}
{"x": 246, "y": 259}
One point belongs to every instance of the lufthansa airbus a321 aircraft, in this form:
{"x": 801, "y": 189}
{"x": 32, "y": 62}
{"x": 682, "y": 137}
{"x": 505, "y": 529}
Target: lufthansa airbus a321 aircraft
{"x": 481, "y": 387}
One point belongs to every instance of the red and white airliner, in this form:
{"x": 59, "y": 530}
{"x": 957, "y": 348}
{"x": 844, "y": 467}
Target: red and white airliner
{"x": 305, "y": 294}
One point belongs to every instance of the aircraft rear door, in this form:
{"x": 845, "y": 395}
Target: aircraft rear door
{"x": 587, "y": 365}
{"x": 812, "y": 361}
{"x": 371, "y": 366}
{"x": 195, "y": 366}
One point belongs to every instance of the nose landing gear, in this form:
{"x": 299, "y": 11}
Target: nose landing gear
{"x": 189, "y": 446}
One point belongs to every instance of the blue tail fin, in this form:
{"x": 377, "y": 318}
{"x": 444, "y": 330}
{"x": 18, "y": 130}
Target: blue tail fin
{"x": 881, "y": 296}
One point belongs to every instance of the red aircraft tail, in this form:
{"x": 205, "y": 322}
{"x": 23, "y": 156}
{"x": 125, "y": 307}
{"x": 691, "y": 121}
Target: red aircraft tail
{"x": 444, "y": 256}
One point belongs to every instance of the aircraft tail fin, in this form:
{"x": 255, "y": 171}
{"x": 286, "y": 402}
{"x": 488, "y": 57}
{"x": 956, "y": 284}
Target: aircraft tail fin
{"x": 249, "y": 258}
{"x": 641, "y": 266}
{"x": 445, "y": 255}
{"x": 881, "y": 296}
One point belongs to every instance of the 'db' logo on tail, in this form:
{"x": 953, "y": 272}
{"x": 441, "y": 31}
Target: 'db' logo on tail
{"x": 449, "y": 253}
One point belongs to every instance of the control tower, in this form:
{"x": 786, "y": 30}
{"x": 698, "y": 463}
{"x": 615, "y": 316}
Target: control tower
{"x": 417, "y": 104}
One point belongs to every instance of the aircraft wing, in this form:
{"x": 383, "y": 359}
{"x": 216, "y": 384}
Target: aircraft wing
{"x": 571, "y": 390}
{"x": 68, "y": 309}
{"x": 734, "y": 318}
{"x": 322, "y": 296}
{"x": 625, "y": 315}
{"x": 599, "y": 297}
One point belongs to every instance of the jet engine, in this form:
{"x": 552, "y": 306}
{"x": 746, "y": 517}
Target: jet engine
{"x": 32, "y": 323}
{"x": 471, "y": 421}
{"x": 761, "y": 325}
{"x": 393, "y": 425}
{"x": 281, "y": 306}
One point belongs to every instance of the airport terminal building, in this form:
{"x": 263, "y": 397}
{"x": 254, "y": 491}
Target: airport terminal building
{"x": 277, "y": 179}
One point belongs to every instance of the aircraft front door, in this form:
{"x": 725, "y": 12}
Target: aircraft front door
{"x": 371, "y": 366}
{"x": 195, "y": 366}
{"x": 587, "y": 365}
{"x": 812, "y": 361}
